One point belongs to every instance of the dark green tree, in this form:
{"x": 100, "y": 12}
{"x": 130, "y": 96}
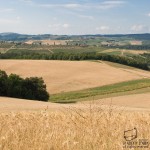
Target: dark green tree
{"x": 3, "y": 83}
{"x": 32, "y": 88}
{"x": 14, "y": 84}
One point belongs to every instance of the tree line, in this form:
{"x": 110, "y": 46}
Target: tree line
{"x": 32, "y": 88}
{"x": 134, "y": 62}
{"x": 130, "y": 47}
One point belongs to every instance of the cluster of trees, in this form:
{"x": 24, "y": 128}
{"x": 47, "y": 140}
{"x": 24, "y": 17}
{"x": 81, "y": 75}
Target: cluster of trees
{"x": 79, "y": 56}
{"x": 32, "y": 88}
{"x": 147, "y": 57}
{"x": 130, "y": 47}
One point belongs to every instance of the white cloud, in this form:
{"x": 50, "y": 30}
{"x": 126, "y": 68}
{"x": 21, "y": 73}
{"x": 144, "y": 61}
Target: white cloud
{"x": 9, "y": 21}
{"x": 59, "y": 26}
{"x": 148, "y": 14}
{"x": 6, "y": 10}
{"x": 68, "y": 6}
{"x": 102, "y": 5}
{"x": 86, "y": 17}
{"x": 110, "y": 4}
{"x": 103, "y": 28}
{"x": 72, "y": 6}
{"x": 54, "y": 25}
{"x": 140, "y": 28}
{"x": 114, "y": 2}
{"x": 55, "y": 18}
{"x": 6, "y": 21}
{"x": 27, "y": 1}
{"x": 48, "y": 5}
{"x": 18, "y": 18}
{"x": 66, "y": 25}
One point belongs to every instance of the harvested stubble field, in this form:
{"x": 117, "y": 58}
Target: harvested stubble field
{"x": 48, "y": 42}
{"x": 140, "y": 102}
{"x": 124, "y": 51}
{"x": 64, "y": 76}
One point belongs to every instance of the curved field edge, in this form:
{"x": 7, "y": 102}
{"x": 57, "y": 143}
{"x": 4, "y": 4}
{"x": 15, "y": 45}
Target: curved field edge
{"x": 66, "y": 76}
{"x": 103, "y": 91}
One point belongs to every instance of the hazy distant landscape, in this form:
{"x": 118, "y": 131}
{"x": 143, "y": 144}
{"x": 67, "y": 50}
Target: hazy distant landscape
{"x": 85, "y": 76}
{"x": 74, "y": 75}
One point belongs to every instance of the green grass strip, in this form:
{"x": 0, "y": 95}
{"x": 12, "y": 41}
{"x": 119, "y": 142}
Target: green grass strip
{"x": 103, "y": 90}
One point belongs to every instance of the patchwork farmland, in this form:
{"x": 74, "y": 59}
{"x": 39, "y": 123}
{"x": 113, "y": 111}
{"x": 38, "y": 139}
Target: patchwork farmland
{"x": 92, "y": 102}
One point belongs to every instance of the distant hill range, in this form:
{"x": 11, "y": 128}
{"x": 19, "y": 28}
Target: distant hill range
{"x": 25, "y": 37}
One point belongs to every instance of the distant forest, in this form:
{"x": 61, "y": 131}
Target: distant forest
{"x": 23, "y": 37}
{"x": 131, "y": 47}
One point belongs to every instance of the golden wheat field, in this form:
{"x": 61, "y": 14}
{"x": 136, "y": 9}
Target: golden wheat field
{"x": 92, "y": 125}
{"x": 63, "y": 76}
{"x": 72, "y": 129}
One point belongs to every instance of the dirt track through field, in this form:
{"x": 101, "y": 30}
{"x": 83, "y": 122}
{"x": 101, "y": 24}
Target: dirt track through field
{"x": 63, "y": 76}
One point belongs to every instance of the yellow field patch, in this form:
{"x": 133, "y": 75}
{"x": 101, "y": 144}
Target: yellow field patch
{"x": 63, "y": 76}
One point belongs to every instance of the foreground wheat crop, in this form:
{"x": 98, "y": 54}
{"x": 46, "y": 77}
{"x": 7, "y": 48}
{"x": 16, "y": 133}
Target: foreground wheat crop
{"x": 70, "y": 129}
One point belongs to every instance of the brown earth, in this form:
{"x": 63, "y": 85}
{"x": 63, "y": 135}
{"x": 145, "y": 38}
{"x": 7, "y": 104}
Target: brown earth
{"x": 63, "y": 76}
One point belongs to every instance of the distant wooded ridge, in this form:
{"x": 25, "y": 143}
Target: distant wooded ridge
{"x": 22, "y": 37}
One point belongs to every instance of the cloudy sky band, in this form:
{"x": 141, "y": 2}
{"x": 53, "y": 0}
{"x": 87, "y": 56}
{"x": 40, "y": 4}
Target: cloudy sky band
{"x": 75, "y": 17}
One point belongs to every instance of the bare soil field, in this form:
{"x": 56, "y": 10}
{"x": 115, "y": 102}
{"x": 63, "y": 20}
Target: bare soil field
{"x": 64, "y": 76}
{"x": 138, "y": 101}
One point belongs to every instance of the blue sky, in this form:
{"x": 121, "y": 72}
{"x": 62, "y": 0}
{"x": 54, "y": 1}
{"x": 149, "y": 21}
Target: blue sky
{"x": 75, "y": 16}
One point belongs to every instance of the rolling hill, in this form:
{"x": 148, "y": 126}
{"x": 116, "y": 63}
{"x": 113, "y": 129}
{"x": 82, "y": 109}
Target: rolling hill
{"x": 8, "y": 36}
{"x": 64, "y": 76}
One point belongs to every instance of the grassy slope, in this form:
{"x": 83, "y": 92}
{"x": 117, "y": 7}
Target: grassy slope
{"x": 104, "y": 91}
